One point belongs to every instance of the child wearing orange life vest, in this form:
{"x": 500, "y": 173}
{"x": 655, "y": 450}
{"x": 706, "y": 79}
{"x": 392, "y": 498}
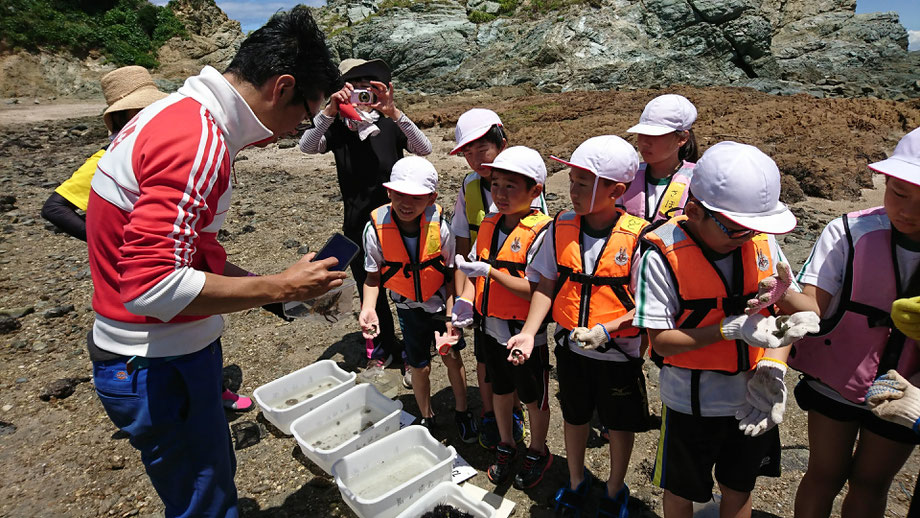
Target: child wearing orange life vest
{"x": 705, "y": 284}
{"x": 861, "y": 263}
{"x": 409, "y": 251}
{"x": 505, "y": 245}
{"x": 668, "y": 147}
{"x": 480, "y": 137}
{"x": 583, "y": 273}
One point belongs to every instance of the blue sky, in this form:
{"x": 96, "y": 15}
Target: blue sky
{"x": 253, "y": 13}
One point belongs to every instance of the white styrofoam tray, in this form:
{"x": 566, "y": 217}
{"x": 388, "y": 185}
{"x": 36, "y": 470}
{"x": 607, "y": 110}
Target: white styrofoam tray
{"x": 346, "y": 423}
{"x": 452, "y": 495}
{"x": 385, "y": 477}
{"x": 272, "y": 396}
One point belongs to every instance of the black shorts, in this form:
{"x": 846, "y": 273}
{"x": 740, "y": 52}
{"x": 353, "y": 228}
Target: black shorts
{"x": 689, "y": 446}
{"x": 531, "y": 380}
{"x": 615, "y": 389}
{"x": 811, "y": 400}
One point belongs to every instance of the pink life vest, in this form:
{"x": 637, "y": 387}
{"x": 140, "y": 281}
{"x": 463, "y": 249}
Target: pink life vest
{"x": 670, "y": 204}
{"x": 853, "y": 346}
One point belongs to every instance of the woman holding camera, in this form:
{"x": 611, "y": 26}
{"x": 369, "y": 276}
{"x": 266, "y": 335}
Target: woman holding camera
{"x": 365, "y": 151}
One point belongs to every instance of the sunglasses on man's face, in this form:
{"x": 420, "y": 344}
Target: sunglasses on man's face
{"x": 732, "y": 234}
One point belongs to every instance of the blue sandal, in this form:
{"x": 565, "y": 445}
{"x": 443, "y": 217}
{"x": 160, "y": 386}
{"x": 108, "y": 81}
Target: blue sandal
{"x": 614, "y": 507}
{"x": 570, "y": 502}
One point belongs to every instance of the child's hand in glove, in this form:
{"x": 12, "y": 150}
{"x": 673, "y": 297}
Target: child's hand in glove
{"x": 765, "y": 398}
{"x": 590, "y": 339}
{"x": 771, "y": 289}
{"x": 894, "y": 399}
{"x": 472, "y": 268}
{"x": 462, "y": 314}
{"x": 906, "y": 316}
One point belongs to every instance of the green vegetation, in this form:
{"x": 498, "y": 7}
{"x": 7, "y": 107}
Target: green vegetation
{"x": 128, "y": 32}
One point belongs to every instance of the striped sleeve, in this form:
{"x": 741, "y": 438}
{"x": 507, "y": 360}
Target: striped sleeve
{"x": 418, "y": 143}
{"x": 182, "y": 170}
{"x": 314, "y": 139}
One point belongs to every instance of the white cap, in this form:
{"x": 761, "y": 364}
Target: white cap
{"x": 414, "y": 176}
{"x": 742, "y": 183}
{"x": 521, "y": 160}
{"x": 472, "y": 125}
{"x": 607, "y": 156}
{"x": 665, "y": 114}
{"x": 904, "y": 163}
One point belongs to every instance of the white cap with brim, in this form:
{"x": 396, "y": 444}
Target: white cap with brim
{"x": 472, "y": 125}
{"x": 521, "y": 160}
{"x": 904, "y": 163}
{"x": 413, "y": 175}
{"x": 742, "y": 183}
{"x": 607, "y": 156}
{"x": 665, "y": 114}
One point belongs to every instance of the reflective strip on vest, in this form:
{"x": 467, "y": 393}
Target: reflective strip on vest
{"x": 670, "y": 204}
{"x": 704, "y": 297}
{"x": 416, "y": 278}
{"x": 475, "y": 204}
{"x": 493, "y": 299}
{"x": 583, "y": 299}
{"x": 856, "y": 344}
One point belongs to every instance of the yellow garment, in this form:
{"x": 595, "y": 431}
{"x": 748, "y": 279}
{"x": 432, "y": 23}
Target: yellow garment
{"x": 76, "y": 188}
{"x": 906, "y": 316}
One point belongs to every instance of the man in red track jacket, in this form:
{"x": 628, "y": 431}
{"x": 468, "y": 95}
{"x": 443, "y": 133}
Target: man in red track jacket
{"x": 161, "y": 279}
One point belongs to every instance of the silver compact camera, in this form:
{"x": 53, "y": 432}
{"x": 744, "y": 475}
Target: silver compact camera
{"x": 362, "y": 97}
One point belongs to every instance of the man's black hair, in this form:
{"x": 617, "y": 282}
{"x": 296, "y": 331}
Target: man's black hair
{"x": 289, "y": 43}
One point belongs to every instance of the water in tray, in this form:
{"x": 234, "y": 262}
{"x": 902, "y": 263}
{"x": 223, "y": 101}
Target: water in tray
{"x": 344, "y": 427}
{"x": 393, "y": 472}
{"x": 318, "y": 387}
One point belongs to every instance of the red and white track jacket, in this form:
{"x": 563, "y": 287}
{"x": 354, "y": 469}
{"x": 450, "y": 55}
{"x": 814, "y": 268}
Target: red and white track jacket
{"x": 159, "y": 196}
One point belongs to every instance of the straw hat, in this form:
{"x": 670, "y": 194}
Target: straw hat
{"x": 128, "y": 88}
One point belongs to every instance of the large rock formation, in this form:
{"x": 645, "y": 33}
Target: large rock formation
{"x": 784, "y": 46}
{"x": 213, "y": 39}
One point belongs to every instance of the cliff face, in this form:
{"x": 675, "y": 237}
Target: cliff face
{"x": 213, "y": 40}
{"x": 782, "y": 46}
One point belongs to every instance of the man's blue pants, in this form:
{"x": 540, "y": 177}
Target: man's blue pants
{"x": 172, "y": 411}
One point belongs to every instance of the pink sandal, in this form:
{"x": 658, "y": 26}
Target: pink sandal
{"x": 235, "y": 401}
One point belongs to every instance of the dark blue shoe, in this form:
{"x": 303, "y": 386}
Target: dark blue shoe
{"x": 519, "y": 432}
{"x": 616, "y": 506}
{"x": 488, "y": 432}
{"x": 571, "y": 503}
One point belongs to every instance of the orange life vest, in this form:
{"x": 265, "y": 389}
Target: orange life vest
{"x": 416, "y": 278}
{"x": 585, "y": 299}
{"x": 704, "y": 295}
{"x": 493, "y": 299}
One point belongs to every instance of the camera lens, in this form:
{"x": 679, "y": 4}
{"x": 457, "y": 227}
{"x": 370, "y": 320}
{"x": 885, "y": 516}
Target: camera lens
{"x": 364, "y": 97}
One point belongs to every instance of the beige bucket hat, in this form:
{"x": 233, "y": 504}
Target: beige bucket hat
{"x": 128, "y": 88}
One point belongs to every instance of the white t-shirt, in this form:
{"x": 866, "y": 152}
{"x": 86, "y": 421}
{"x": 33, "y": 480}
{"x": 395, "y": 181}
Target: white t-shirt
{"x": 496, "y": 327}
{"x": 654, "y": 190}
{"x": 544, "y": 265}
{"x": 460, "y": 226}
{"x": 657, "y": 307}
{"x": 825, "y": 269}
{"x": 373, "y": 258}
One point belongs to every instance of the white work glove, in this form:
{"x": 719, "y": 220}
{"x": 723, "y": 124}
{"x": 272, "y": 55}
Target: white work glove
{"x": 765, "y": 398}
{"x": 462, "y": 314}
{"x": 894, "y": 399}
{"x": 590, "y": 339}
{"x": 473, "y": 268}
{"x": 771, "y": 289}
{"x": 443, "y": 342}
{"x": 770, "y": 332}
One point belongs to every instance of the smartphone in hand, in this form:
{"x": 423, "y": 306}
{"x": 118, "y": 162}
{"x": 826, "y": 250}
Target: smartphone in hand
{"x": 340, "y": 247}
